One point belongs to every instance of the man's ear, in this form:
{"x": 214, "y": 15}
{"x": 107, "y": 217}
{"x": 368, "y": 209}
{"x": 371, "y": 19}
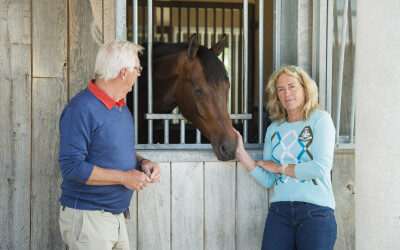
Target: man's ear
{"x": 122, "y": 73}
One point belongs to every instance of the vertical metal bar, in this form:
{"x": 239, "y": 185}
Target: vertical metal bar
{"x": 341, "y": 68}
{"x": 245, "y": 64}
{"x": 329, "y": 49}
{"x": 215, "y": 27}
{"x": 352, "y": 109}
{"x": 166, "y": 131}
{"x": 277, "y": 34}
{"x": 198, "y": 136}
{"x": 170, "y": 26}
{"x": 197, "y": 23}
{"x": 223, "y": 31}
{"x": 240, "y": 62}
{"x": 322, "y": 52}
{"x": 143, "y": 24}
{"x": 315, "y": 45}
{"x": 162, "y": 25}
{"x": 205, "y": 27}
{"x": 149, "y": 67}
{"x": 120, "y": 20}
{"x": 188, "y": 23}
{"x": 135, "y": 87}
{"x": 180, "y": 24}
{"x": 182, "y": 131}
{"x": 260, "y": 70}
{"x": 231, "y": 55}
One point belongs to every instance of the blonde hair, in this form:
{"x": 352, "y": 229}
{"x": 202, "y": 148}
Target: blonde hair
{"x": 113, "y": 56}
{"x": 276, "y": 111}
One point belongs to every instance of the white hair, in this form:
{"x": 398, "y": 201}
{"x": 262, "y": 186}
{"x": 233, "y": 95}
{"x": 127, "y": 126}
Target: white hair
{"x": 113, "y": 56}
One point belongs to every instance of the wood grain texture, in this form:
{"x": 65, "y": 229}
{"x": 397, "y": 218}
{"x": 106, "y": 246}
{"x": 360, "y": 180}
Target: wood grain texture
{"x": 49, "y": 38}
{"x": 49, "y": 98}
{"x": 15, "y": 124}
{"x": 252, "y": 209}
{"x": 187, "y": 205}
{"x": 132, "y": 222}
{"x": 154, "y": 215}
{"x": 83, "y": 44}
{"x": 219, "y": 195}
{"x": 343, "y": 184}
{"x": 109, "y": 20}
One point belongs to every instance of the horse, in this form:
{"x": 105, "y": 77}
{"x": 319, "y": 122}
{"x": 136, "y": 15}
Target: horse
{"x": 191, "y": 77}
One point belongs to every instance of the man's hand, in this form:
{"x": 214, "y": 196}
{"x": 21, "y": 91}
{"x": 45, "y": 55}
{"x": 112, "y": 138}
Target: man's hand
{"x": 134, "y": 179}
{"x": 152, "y": 170}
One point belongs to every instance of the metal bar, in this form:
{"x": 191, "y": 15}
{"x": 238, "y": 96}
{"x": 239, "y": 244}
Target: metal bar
{"x": 240, "y": 68}
{"x": 341, "y": 68}
{"x": 245, "y": 64}
{"x": 188, "y": 23}
{"x": 180, "y": 117}
{"x": 120, "y": 20}
{"x": 260, "y": 70}
{"x": 231, "y": 51}
{"x": 180, "y": 24}
{"x": 149, "y": 67}
{"x": 195, "y": 4}
{"x": 198, "y": 136}
{"x": 223, "y": 31}
{"x": 170, "y": 26}
{"x": 205, "y": 27}
{"x": 135, "y": 87}
{"x": 277, "y": 34}
{"x": 352, "y": 109}
{"x": 215, "y": 27}
{"x": 188, "y": 146}
{"x": 314, "y": 64}
{"x": 166, "y": 131}
{"x": 143, "y": 24}
{"x": 322, "y": 52}
{"x": 197, "y": 22}
{"x": 182, "y": 131}
{"x": 329, "y": 58}
{"x": 162, "y": 25}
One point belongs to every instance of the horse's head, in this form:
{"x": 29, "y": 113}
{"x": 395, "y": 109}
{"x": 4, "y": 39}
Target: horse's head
{"x": 202, "y": 90}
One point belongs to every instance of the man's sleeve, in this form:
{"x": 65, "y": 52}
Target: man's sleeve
{"x": 75, "y": 134}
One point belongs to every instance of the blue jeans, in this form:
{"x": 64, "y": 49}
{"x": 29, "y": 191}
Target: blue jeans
{"x": 299, "y": 225}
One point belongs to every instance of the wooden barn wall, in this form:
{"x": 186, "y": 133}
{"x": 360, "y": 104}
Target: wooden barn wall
{"x": 47, "y": 52}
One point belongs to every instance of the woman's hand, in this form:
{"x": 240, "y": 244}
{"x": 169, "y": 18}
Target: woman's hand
{"x": 270, "y": 166}
{"x": 240, "y": 146}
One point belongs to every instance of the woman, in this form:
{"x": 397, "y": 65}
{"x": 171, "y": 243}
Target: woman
{"x": 297, "y": 160}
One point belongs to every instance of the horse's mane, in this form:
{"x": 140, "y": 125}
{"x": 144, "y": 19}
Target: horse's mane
{"x": 214, "y": 69}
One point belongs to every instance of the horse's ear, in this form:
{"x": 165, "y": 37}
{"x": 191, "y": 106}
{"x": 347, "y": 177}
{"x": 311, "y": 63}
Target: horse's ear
{"x": 219, "y": 46}
{"x": 193, "y": 46}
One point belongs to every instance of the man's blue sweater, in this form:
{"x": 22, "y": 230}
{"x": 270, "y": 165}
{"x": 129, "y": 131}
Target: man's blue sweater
{"x": 91, "y": 134}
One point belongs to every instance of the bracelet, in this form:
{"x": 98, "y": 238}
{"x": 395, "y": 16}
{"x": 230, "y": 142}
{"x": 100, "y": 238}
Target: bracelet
{"x": 284, "y": 166}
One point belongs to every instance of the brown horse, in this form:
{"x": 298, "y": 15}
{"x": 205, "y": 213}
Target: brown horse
{"x": 191, "y": 76}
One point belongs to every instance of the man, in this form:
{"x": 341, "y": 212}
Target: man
{"x": 97, "y": 154}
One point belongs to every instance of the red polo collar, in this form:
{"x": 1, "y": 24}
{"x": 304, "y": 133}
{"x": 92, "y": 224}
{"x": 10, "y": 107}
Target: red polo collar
{"x": 103, "y": 97}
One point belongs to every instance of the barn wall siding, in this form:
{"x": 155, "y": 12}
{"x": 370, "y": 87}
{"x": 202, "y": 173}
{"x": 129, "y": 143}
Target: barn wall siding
{"x": 47, "y": 52}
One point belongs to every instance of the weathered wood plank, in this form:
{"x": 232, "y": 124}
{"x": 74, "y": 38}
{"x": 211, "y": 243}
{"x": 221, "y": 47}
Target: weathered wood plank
{"x": 219, "y": 214}
{"x": 252, "y": 209}
{"x": 49, "y": 38}
{"x": 154, "y": 215}
{"x": 15, "y": 124}
{"x": 132, "y": 222}
{"x": 49, "y": 98}
{"x": 84, "y": 37}
{"x": 343, "y": 174}
{"x": 187, "y": 205}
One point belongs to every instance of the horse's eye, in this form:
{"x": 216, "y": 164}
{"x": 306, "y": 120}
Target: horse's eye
{"x": 198, "y": 91}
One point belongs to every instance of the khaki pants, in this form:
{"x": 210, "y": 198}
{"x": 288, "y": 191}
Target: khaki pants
{"x": 97, "y": 230}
